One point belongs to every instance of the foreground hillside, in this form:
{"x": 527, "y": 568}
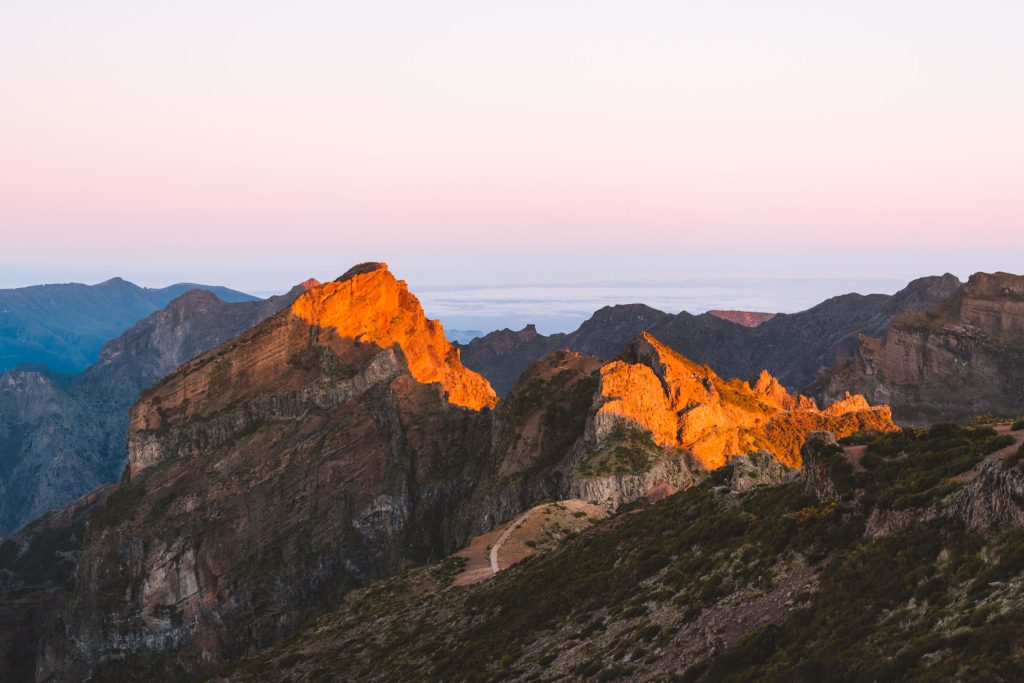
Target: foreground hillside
{"x": 903, "y": 560}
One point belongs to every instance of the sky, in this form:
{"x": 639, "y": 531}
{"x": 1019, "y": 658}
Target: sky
{"x": 782, "y": 151}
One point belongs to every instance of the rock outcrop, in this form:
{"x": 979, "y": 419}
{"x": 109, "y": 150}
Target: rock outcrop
{"x": 369, "y": 305}
{"x": 994, "y": 499}
{"x": 962, "y": 357}
{"x": 687, "y": 405}
{"x": 759, "y": 468}
{"x": 819, "y": 454}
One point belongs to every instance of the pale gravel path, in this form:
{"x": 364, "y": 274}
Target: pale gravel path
{"x": 520, "y": 520}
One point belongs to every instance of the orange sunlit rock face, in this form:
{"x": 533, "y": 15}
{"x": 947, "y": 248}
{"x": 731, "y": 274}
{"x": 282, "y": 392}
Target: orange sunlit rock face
{"x": 685, "y": 404}
{"x": 633, "y": 391}
{"x": 368, "y": 304}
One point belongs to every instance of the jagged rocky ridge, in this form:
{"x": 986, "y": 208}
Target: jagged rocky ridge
{"x": 792, "y": 347}
{"x": 340, "y": 441}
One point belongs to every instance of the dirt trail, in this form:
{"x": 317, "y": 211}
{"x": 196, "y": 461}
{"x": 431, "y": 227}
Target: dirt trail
{"x": 535, "y": 530}
{"x": 518, "y": 522}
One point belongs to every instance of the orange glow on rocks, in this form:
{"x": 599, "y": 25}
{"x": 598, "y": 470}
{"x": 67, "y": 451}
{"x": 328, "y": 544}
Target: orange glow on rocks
{"x": 369, "y": 305}
{"x": 685, "y": 404}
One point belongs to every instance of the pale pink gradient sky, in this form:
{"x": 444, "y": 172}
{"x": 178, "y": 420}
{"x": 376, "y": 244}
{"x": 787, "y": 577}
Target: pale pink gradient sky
{"x": 278, "y": 137}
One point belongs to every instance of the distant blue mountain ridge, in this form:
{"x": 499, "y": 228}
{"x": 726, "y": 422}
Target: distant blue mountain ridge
{"x": 62, "y": 327}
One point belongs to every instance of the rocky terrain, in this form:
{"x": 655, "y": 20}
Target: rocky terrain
{"x": 37, "y": 571}
{"x": 792, "y": 347}
{"x": 765, "y": 575}
{"x": 332, "y": 444}
{"x": 63, "y": 327}
{"x": 62, "y": 437}
{"x": 962, "y": 357}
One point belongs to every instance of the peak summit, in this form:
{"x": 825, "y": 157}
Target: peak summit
{"x": 369, "y": 305}
{"x": 363, "y": 269}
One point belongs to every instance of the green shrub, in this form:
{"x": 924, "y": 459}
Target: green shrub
{"x": 996, "y": 443}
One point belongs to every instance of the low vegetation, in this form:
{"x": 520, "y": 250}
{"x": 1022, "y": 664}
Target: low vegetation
{"x": 627, "y": 450}
{"x": 709, "y": 585}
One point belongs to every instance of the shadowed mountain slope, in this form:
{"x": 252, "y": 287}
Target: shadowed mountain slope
{"x": 910, "y": 568}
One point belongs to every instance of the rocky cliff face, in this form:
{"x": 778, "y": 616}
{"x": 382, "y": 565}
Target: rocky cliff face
{"x": 60, "y": 438}
{"x": 964, "y": 356}
{"x": 368, "y": 304}
{"x": 334, "y": 443}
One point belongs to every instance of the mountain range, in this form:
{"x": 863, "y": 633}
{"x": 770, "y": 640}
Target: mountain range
{"x": 321, "y": 486}
{"x": 63, "y": 327}
{"x": 794, "y": 347}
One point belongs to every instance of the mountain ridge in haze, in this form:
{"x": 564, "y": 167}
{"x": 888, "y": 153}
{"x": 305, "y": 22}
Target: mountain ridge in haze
{"x": 63, "y": 327}
{"x": 793, "y": 347}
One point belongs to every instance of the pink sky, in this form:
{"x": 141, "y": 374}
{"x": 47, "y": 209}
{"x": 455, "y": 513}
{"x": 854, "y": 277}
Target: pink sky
{"x": 468, "y": 127}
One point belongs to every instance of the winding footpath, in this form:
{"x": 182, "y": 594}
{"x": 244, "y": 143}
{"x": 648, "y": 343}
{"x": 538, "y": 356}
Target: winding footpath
{"x": 520, "y": 520}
